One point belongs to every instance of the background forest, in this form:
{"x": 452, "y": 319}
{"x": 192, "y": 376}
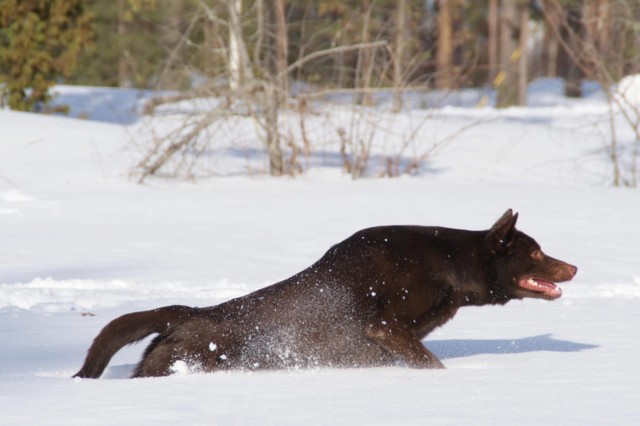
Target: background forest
{"x": 362, "y": 45}
{"x": 264, "y": 58}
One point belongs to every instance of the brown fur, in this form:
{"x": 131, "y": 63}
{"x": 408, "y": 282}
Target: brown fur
{"x": 369, "y": 301}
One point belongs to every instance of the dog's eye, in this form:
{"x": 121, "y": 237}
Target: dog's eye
{"x": 537, "y": 255}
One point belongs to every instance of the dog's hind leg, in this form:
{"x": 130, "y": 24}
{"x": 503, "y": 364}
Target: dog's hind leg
{"x": 196, "y": 345}
{"x": 158, "y": 358}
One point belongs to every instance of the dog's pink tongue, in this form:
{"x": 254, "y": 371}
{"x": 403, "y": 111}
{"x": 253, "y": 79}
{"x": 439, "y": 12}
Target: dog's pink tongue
{"x": 550, "y": 289}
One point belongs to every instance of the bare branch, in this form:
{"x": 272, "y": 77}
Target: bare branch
{"x": 339, "y": 49}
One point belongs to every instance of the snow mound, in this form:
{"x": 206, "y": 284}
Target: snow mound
{"x": 14, "y": 196}
{"x": 53, "y": 295}
{"x": 628, "y": 90}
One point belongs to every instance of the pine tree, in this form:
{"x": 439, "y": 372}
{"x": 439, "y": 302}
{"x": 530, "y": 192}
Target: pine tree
{"x": 39, "y": 43}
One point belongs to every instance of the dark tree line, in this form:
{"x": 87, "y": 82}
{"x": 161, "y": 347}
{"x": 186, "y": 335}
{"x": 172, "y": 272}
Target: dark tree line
{"x": 447, "y": 44}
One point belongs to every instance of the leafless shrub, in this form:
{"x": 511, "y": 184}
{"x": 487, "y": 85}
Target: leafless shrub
{"x": 591, "y": 49}
{"x": 258, "y": 88}
{"x": 254, "y": 85}
{"x": 355, "y": 153}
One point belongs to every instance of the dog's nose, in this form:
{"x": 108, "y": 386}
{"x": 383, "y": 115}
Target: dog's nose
{"x": 572, "y": 271}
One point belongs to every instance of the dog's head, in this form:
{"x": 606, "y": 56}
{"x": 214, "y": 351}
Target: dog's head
{"x": 522, "y": 269}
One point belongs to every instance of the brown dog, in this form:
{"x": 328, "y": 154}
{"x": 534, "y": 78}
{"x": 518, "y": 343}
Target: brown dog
{"x": 368, "y": 301}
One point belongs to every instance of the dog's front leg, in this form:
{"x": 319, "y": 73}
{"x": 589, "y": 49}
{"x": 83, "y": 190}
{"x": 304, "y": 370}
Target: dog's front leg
{"x": 405, "y": 346}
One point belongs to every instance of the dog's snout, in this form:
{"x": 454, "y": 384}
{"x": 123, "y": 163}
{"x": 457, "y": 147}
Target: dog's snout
{"x": 562, "y": 271}
{"x": 567, "y": 272}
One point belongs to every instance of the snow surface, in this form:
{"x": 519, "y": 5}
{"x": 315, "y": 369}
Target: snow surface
{"x": 83, "y": 244}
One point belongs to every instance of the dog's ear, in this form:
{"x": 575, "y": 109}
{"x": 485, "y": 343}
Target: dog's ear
{"x": 500, "y": 236}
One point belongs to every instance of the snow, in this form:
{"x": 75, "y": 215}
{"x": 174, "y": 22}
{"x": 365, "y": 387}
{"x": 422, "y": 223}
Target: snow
{"x": 629, "y": 89}
{"x": 83, "y": 244}
{"x": 101, "y": 104}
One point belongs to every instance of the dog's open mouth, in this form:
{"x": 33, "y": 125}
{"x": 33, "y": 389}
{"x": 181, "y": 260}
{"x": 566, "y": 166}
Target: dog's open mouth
{"x": 546, "y": 289}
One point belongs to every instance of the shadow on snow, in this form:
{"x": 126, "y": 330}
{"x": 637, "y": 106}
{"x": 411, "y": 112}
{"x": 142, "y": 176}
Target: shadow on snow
{"x": 458, "y": 348}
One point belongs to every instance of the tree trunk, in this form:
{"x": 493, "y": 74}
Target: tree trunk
{"x": 282, "y": 53}
{"x": 597, "y": 21}
{"x": 523, "y": 62}
{"x": 549, "y": 56}
{"x": 364, "y": 65}
{"x": 273, "y": 62}
{"x": 236, "y": 79}
{"x": 573, "y": 79}
{"x": 398, "y": 55}
{"x": 444, "y": 56}
{"x": 493, "y": 39}
{"x": 506, "y": 81}
{"x": 273, "y": 133}
{"x": 210, "y": 29}
{"x": 172, "y": 34}
{"x": 123, "y": 76}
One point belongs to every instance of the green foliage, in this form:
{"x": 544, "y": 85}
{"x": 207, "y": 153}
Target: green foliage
{"x": 133, "y": 40}
{"x": 39, "y": 43}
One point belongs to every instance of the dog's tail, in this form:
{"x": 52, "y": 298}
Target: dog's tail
{"x": 126, "y": 330}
